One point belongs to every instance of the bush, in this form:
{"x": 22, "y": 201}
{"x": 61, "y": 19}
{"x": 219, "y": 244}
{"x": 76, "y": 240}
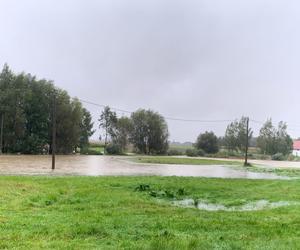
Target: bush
{"x": 208, "y": 142}
{"x": 90, "y": 151}
{"x": 192, "y": 152}
{"x": 113, "y": 149}
{"x": 200, "y": 152}
{"x": 96, "y": 145}
{"x": 278, "y": 157}
{"x": 262, "y": 157}
{"x": 174, "y": 152}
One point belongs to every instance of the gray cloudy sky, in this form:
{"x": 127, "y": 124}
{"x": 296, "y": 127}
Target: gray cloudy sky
{"x": 193, "y": 59}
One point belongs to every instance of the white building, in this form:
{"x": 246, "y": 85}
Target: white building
{"x": 296, "y": 148}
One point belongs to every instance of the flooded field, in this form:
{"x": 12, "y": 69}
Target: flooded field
{"x": 107, "y": 165}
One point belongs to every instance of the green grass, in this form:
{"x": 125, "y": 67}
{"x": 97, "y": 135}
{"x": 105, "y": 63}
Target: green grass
{"x": 291, "y": 172}
{"x": 107, "y": 213}
{"x": 183, "y": 160}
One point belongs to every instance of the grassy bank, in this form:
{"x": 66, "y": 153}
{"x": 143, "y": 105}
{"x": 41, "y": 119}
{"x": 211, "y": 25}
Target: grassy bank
{"x": 108, "y": 213}
{"x": 183, "y": 160}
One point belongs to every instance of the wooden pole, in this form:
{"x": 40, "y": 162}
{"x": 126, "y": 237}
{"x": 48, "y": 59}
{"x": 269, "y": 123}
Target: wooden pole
{"x": 1, "y": 133}
{"x": 247, "y": 143}
{"x": 53, "y": 132}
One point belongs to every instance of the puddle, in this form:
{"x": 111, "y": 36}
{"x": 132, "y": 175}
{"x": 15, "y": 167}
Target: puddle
{"x": 251, "y": 206}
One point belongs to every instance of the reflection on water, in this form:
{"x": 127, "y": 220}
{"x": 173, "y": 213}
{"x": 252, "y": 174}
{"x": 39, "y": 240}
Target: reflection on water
{"x": 107, "y": 165}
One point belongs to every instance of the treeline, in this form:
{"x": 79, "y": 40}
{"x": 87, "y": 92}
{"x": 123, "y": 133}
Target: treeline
{"x": 272, "y": 140}
{"x": 145, "y": 130}
{"x": 26, "y": 107}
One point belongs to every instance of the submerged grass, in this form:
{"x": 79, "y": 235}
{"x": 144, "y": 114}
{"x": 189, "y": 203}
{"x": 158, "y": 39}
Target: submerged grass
{"x": 183, "y": 160}
{"x": 289, "y": 172}
{"x": 119, "y": 213}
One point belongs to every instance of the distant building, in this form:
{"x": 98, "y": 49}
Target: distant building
{"x": 296, "y": 148}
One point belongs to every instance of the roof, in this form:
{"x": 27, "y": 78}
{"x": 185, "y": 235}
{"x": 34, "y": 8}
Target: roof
{"x": 296, "y": 145}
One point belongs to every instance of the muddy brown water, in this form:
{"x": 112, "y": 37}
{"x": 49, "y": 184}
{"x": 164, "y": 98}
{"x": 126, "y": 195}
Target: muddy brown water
{"x": 107, "y": 165}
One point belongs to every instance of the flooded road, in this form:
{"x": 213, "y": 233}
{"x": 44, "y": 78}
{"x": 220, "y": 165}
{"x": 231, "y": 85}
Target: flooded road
{"x": 108, "y": 165}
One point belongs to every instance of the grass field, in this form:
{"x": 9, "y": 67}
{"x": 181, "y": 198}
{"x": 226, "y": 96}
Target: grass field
{"x": 108, "y": 213}
{"x": 186, "y": 161}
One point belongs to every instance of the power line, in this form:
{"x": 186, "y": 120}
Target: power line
{"x": 166, "y": 117}
{"x": 257, "y": 122}
{"x": 184, "y": 119}
{"x": 103, "y": 106}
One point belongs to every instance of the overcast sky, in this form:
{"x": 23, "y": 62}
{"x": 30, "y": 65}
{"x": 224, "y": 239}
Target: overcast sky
{"x": 201, "y": 59}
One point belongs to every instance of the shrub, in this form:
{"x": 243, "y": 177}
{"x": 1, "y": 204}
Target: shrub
{"x": 192, "y": 152}
{"x": 291, "y": 157}
{"x": 174, "y": 152}
{"x": 200, "y": 152}
{"x": 262, "y": 157}
{"x": 113, "y": 149}
{"x": 90, "y": 151}
{"x": 96, "y": 144}
{"x": 278, "y": 157}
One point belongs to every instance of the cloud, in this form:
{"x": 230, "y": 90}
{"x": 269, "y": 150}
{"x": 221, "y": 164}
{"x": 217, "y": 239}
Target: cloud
{"x": 203, "y": 59}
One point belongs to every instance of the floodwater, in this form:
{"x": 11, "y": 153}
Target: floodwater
{"x": 107, "y": 165}
{"x": 250, "y": 206}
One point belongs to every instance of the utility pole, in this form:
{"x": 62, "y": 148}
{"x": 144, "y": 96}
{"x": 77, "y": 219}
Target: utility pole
{"x": 1, "y": 133}
{"x": 247, "y": 143}
{"x": 53, "y": 131}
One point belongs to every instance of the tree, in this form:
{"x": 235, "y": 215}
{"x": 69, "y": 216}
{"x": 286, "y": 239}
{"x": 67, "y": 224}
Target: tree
{"x": 208, "y": 142}
{"x": 149, "y": 132}
{"x": 266, "y": 138}
{"x": 236, "y": 135}
{"x": 108, "y": 121}
{"x": 122, "y": 133}
{"x": 284, "y": 142}
{"x": 231, "y": 136}
{"x": 86, "y": 128}
{"x": 26, "y": 105}
{"x": 272, "y": 141}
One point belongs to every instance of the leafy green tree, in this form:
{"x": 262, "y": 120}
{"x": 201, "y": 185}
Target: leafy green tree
{"x": 231, "y": 136}
{"x": 284, "y": 142}
{"x": 37, "y": 112}
{"x": 236, "y": 135}
{"x": 266, "y": 139}
{"x": 149, "y": 132}
{"x": 272, "y": 141}
{"x": 122, "y": 133}
{"x": 86, "y": 128}
{"x": 208, "y": 142}
{"x": 27, "y": 104}
{"x": 108, "y": 122}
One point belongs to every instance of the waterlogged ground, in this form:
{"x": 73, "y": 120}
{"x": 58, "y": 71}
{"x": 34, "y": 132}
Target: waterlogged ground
{"x": 107, "y": 165}
{"x": 250, "y": 206}
{"x": 80, "y": 212}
